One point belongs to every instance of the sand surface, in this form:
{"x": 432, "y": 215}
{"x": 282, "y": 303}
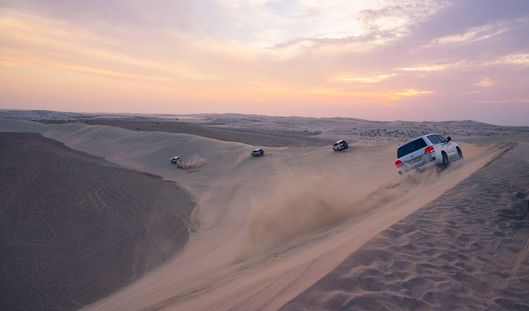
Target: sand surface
{"x": 265, "y": 230}
{"x": 262, "y": 137}
{"x": 466, "y": 250}
{"x": 75, "y": 228}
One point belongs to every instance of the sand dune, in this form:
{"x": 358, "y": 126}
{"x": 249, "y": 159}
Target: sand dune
{"x": 248, "y": 211}
{"x": 262, "y": 137}
{"x": 22, "y": 126}
{"x": 468, "y": 249}
{"x": 75, "y": 228}
{"x": 266, "y": 229}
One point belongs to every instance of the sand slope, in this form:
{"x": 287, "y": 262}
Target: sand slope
{"x": 266, "y": 138}
{"x": 466, "y": 250}
{"x": 75, "y": 228}
{"x": 24, "y": 126}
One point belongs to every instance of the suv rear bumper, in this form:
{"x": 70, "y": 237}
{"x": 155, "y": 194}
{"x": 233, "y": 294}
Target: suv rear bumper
{"x": 426, "y": 161}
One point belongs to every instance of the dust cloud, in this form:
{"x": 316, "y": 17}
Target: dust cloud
{"x": 194, "y": 162}
{"x": 299, "y": 207}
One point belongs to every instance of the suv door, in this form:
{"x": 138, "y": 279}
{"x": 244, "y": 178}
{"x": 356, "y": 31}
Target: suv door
{"x": 448, "y": 147}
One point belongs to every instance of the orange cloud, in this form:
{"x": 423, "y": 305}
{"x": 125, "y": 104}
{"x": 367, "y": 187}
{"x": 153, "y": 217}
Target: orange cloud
{"x": 371, "y": 79}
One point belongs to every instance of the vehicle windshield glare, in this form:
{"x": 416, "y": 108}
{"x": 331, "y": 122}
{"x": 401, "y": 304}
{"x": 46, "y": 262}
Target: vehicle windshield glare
{"x": 410, "y": 147}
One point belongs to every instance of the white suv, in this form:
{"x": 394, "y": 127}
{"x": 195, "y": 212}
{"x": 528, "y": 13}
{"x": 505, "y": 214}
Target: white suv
{"x": 340, "y": 145}
{"x": 427, "y": 150}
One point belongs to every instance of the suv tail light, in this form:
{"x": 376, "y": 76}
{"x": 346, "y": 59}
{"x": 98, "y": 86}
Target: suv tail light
{"x": 428, "y": 150}
{"x": 398, "y": 163}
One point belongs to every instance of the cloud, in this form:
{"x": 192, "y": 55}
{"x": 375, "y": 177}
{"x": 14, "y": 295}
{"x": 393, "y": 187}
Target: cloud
{"x": 458, "y": 17}
{"x": 512, "y": 59}
{"x": 472, "y": 35}
{"x": 380, "y": 96}
{"x": 372, "y": 79}
{"x": 110, "y": 15}
{"x": 427, "y": 67}
{"x": 359, "y": 23}
{"x": 408, "y": 93}
{"x": 515, "y": 101}
{"x": 485, "y": 82}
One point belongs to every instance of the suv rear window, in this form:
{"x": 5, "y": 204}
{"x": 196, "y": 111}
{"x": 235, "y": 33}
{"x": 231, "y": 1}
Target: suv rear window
{"x": 410, "y": 147}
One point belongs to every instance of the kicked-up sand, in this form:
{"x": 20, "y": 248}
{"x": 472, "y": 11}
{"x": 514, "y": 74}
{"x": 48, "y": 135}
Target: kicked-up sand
{"x": 307, "y": 228}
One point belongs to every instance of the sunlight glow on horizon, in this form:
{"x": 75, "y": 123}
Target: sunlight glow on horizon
{"x": 267, "y": 56}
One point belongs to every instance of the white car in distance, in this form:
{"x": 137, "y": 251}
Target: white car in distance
{"x": 340, "y": 145}
{"x": 176, "y": 160}
{"x": 257, "y": 153}
{"x": 425, "y": 151}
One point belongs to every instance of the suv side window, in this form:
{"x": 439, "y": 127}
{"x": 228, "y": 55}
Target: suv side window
{"x": 434, "y": 139}
{"x": 443, "y": 140}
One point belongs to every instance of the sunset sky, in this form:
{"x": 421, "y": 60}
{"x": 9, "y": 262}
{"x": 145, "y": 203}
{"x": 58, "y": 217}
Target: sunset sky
{"x": 416, "y": 60}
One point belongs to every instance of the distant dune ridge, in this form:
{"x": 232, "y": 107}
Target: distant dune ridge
{"x": 301, "y": 228}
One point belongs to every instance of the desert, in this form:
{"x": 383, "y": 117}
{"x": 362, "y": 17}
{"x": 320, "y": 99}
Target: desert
{"x": 95, "y": 217}
{"x": 264, "y": 155}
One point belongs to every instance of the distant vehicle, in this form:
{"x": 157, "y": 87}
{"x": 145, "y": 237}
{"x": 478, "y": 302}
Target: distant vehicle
{"x": 257, "y": 153}
{"x": 176, "y": 160}
{"x": 427, "y": 150}
{"x": 340, "y": 145}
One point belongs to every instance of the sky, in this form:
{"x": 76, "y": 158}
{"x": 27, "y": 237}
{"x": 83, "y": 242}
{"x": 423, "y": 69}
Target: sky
{"x": 414, "y": 60}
